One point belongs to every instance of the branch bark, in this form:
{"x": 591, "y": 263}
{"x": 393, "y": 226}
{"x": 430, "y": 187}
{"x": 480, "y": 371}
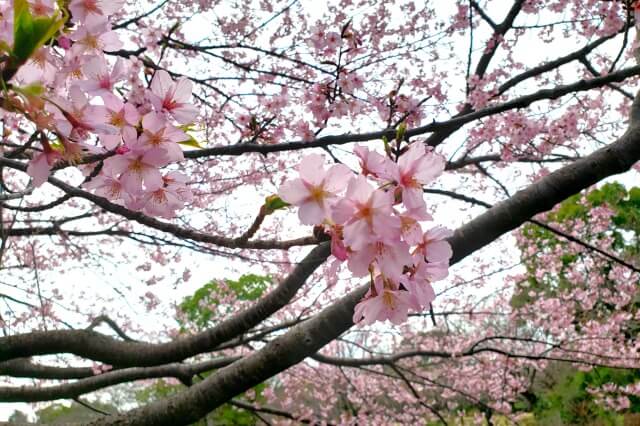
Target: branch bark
{"x": 182, "y": 372}
{"x": 99, "y": 347}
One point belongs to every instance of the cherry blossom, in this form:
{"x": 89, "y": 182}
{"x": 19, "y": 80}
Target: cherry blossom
{"x": 415, "y": 169}
{"x": 348, "y": 116}
{"x": 6, "y": 23}
{"x": 42, "y": 7}
{"x": 366, "y": 214}
{"x": 315, "y": 190}
{"x": 172, "y": 97}
{"x": 384, "y": 301}
{"x": 85, "y": 10}
{"x": 434, "y": 247}
{"x": 371, "y": 162}
{"x": 138, "y": 169}
{"x": 78, "y": 117}
{"x": 109, "y": 187}
{"x": 124, "y": 117}
{"x": 40, "y": 165}
{"x": 162, "y": 201}
{"x": 157, "y": 133}
{"x": 94, "y": 38}
{"x": 99, "y": 81}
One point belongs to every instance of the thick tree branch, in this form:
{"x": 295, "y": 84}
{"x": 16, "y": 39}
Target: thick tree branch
{"x": 182, "y": 372}
{"x": 543, "y": 225}
{"x": 111, "y": 323}
{"x": 500, "y": 31}
{"x": 99, "y": 347}
{"x": 23, "y": 367}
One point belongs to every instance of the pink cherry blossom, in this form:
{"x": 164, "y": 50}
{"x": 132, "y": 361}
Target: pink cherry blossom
{"x": 317, "y": 39}
{"x": 158, "y": 133}
{"x": 138, "y": 169}
{"x": 94, "y": 38}
{"x": 79, "y": 117}
{"x": 415, "y": 168}
{"x": 366, "y": 214}
{"x": 316, "y": 189}
{"x": 265, "y": 97}
{"x": 6, "y": 23}
{"x": 82, "y": 10}
{"x": 73, "y": 152}
{"x": 431, "y": 271}
{"x": 41, "y": 164}
{"x": 338, "y": 249}
{"x": 350, "y": 81}
{"x": 108, "y": 186}
{"x": 304, "y": 132}
{"x": 384, "y": 301}
{"x": 177, "y": 183}
{"x": 71, "y": 68}
{"x": 410, "y": 225}
{"x": 99, "y": 80}
{"x": 172, "y": 97}
{"x": 371, "y": 162}
{"x": 434, "y": 247}
{"x": 421, "y": 293}
{"x": 163, "y": 200}
{"x": 42, "y": 7}
{"x": 124, "y": 117}
{"x": 41, "y": 67}
{"x": 390, "y": 259}
{"x": 332, "y": 41}
{"x": 65, "y": 42}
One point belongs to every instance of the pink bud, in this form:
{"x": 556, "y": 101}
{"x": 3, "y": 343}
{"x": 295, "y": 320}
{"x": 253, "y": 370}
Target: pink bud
{"x": 121, "y": 150}
{"x": 65, "y": 42}
{"x": 337, "y": 247}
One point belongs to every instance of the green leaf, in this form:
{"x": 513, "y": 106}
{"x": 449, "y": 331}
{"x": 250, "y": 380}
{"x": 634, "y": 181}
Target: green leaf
{"x": 249, "y": 286}
{"x": 34, "y": 89}
{"x": 192, "y": 142}
{"x": 273, "y": 203}
{"x": 401, "y": 131}
{"x": 29, "y": 32}
{"x": 634, "y": 196}
{"x": 4, "y": 47}
{"x": 159, "y": 390}
{"x": 189, "y": 127}
{"x": 204, "y": 305}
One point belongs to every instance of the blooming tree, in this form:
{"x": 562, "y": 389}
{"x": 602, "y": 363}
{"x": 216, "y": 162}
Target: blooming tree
{"x": 356, "y": 154}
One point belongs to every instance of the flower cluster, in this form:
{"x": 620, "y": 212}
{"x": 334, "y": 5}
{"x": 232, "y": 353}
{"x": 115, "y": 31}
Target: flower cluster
{"x": 83, "y": 108}
{"x": 326, "y": 42}
{"x": 375, "y": 222}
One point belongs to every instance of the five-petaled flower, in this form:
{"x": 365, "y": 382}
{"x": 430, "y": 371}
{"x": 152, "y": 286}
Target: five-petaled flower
{"x": 172, "y": 98}
{"x": 316, "y": 189}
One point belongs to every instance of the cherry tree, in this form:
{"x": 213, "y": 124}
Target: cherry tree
{"x": 353, "y": 177}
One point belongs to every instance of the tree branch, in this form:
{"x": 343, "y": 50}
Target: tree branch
{"x": 182, "y": 372}
{"x": 103, "y": 348}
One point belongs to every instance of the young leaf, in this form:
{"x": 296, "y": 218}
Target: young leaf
{"x": 34, "y": 89}
{"x": 192, "y": 142}
{"x": 273, "y": 203}
{"x": 29, "y": 32}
